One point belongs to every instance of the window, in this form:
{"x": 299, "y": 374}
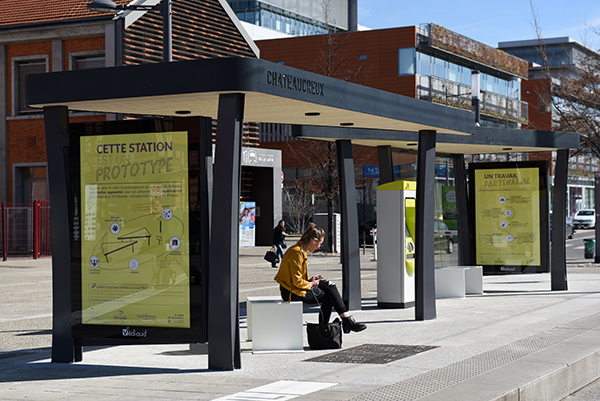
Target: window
{"x": 90, "y": 62}
{"x": 30, "y": 182}
{"x": 440, "y": 67}
{"x": 406, "y": 61}
{"x": 86, "y": 60}
{"x": 424, "y": 64}
{"x": 23, "y": 66}
{"x": 466, "y": 76}
{"x": 453, "y": 72}
{"x": 544, "y": 102}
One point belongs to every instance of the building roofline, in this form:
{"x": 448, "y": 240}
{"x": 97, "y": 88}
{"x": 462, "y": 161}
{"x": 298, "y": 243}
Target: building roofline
{"x": 233, "y": 17}
{"x": 564, "y": 40}
{"x": 54, "y": 23}
{"x": 131, "y": 16}
{"x": 535, "y": 42}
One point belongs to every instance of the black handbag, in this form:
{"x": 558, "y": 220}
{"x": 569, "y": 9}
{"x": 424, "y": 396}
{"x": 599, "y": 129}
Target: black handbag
{"x": 271, "y": 256}
{"x": 283, "y": 244}
{"x": 325, "y": 336}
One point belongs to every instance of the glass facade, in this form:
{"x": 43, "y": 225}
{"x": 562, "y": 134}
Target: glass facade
{"x": 426, "y": 65}
{"x": 271, "y": 17}
{"x": 447, "y": 82}
{"x": 557, "y": 54}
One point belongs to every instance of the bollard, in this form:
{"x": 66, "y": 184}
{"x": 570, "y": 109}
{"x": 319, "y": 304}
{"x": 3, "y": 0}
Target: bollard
{"x": 375, "y": 246}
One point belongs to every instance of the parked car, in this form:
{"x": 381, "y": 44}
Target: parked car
{"x": 443, "y": 238}
{"x": 569, "y": 227}
{"x": 585, "y": 218}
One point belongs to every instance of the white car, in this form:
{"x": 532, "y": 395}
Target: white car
{"x": 585, "y": 218}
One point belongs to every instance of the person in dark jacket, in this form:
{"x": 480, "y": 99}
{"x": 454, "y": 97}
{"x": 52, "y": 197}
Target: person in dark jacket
{"x": 279, "y": 239}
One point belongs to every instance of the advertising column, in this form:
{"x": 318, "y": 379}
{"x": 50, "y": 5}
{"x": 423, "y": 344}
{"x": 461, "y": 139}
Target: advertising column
{"x": 135, "y": 244}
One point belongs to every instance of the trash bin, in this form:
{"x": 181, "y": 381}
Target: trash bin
{"x": 589, "y": 246}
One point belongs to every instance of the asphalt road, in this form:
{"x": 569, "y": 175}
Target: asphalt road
{"x": 575, "y": 247}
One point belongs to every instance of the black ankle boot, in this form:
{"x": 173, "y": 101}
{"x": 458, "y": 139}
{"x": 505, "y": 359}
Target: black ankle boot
{"x": 349, "y": 324}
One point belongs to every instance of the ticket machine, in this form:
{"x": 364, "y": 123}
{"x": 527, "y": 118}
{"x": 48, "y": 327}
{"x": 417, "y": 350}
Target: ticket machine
{"x": 395, "y": 245}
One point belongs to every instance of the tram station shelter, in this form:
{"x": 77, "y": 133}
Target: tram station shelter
{"x": 185, "y": 95}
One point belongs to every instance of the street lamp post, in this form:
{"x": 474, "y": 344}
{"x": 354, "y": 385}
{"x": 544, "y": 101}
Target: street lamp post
{"x": 475, "y": 92}
{"x": 108, "y": 6}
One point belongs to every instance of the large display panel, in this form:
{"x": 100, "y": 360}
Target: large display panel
{"x": 134, "y": 191}
{"x": 509, "y": 216}
{"x": 136, "y": 265}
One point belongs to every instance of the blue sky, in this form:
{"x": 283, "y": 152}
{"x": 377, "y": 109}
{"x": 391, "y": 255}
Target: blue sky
{"x": 489, "y": 22}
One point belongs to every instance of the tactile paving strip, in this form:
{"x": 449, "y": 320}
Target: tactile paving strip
{"x": 430, "y": 382}
{"x": 372, "y": 353}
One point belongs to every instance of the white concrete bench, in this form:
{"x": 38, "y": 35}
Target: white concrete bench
{"x": 457, "y": 281}
{"x": 274, "y": 325}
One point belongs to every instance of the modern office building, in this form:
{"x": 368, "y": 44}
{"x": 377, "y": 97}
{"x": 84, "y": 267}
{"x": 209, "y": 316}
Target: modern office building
{"x": 269, "y": 19}
{"x": 564, "y": 57}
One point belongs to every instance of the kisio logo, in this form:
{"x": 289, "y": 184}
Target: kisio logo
{"x": 127, "y": 332}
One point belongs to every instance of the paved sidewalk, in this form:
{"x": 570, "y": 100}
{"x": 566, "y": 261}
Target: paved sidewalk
{"x": 517, "y": 341}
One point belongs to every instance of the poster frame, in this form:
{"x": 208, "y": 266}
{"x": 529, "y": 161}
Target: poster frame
{"x": 544, "y": 209}
{"x": 104, "y": 334}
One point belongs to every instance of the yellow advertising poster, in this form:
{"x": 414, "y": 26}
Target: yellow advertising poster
{"x": 507, "y": 216}
{"x": 135, "y": 243}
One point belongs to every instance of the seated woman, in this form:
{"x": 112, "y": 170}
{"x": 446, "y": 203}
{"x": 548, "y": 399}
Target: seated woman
{"x": 295, "y": 285}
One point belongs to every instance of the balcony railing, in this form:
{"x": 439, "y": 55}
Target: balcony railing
{"x": 455, "y": 94}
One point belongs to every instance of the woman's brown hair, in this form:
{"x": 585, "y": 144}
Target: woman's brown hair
{"x": 313, "y": 232}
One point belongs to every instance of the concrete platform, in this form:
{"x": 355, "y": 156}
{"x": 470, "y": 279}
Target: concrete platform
{"x": 516, "y": 341}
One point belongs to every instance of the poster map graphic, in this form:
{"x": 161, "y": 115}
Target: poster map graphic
{"x": 507, "y": 217}
{"x": 135, "y": 247}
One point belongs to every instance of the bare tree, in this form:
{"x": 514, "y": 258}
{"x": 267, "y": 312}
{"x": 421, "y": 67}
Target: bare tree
{"x": 321, "y": 174}
{"x": 299, "y": 205}
{"x": 333, "y": 57}
{"x": 574, "y": 91}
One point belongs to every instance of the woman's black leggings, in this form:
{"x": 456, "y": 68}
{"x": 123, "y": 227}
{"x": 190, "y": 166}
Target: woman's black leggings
{"x": 326, "y": 295}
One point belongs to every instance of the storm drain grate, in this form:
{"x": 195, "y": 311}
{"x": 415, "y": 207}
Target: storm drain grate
{"x": 372, "y": 353}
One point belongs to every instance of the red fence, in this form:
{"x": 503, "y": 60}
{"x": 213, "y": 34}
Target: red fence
{"x": 26, "y": 229}
{"x": 42, "y": 239}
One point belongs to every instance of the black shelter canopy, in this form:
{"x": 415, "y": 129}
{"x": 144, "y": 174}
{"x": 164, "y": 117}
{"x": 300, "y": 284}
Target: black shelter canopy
{"x": 234, "y": 90}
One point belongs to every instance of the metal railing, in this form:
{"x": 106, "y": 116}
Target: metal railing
{"x": 455, "y": 94}
{"x": 26, "y": 229}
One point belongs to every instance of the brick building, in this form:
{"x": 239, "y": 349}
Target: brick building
{"x": 38, "y": 37}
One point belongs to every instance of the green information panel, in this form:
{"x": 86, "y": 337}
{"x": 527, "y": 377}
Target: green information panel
{"x": 135, "y": 243}
{"x": 507, "y": 216}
